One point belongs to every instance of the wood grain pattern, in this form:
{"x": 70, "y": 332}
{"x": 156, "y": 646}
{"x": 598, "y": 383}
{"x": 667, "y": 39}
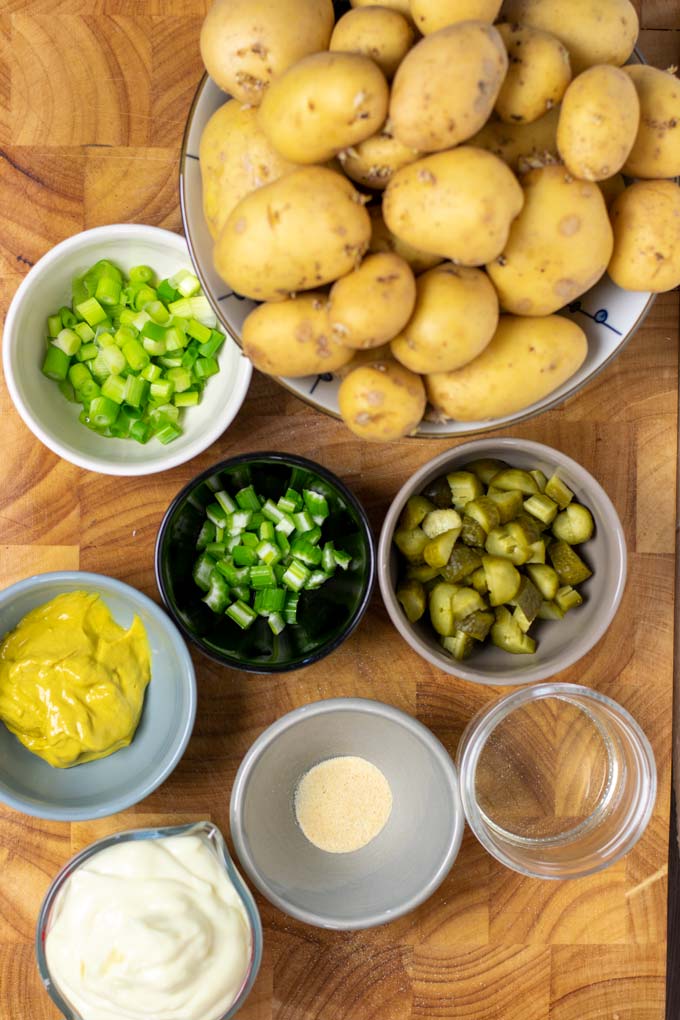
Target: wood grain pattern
{"x": 93, "y": 101}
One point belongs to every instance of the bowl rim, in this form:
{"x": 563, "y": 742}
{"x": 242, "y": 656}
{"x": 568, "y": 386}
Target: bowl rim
{"x": 367, "y": 706}
{"x": 164, "y": 459}
{"x": 486, "y": 425}
{"x": 481, "y": 448}
{"x": 369, "y": 581}
{"x": 183, "y": 731}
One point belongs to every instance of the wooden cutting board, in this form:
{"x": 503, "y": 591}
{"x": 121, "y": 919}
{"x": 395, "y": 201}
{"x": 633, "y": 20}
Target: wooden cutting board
{"x": 93, "y": 99}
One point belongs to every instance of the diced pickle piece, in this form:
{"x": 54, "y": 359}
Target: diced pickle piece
{"x": 528, "y": 599}
{"x": 413, "y": 514}
{"x": 460, "y": 645}
{"x": 485, "y": 512}
{"x": 569, "y": 566}
{"x": 439, "y": 521}
{"x": 411, "y": 543}
{"x": 513, "y": 478}
{"x": 568, "y": 598}
{"x": 537, "y": 552}
{"x": 509, "y": 541}
{"x": 523, "y": 621}
{"x": 478, "y": 580}
{"x": 531, "y": 526}
{"x": 507, "y": 634}
{"x": 411, "y": 594}
{"x": 485, "y": 468}
{"x": 542, "y": 507}
{"x": 574, "y": 525}
{"x": 421, "y": 572}
{"x": 464, "y": 487}
{"x": 466, "y": 601}
{"x": 462, "y": 562}
{"x": 473, "y": 533}
{"x": 477, "y": 624}
{"x": 441, "y": 613}
{"x": 550, "y": 611}
{"x": 502, "y": 578}
{"x": 540, "y": 479}
{"x": 437, "y": 551}
{"x": 557, "y": 490}
{"x": 508, "y": 503}
{"x": 545, "y": 579}
{"x": 438, "y": 492}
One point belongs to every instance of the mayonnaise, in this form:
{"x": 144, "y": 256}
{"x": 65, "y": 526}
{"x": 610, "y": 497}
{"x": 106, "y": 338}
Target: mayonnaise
{"x": 150, "y": 930}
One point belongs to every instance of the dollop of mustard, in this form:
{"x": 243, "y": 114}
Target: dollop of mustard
{"x": 72, "y": 680}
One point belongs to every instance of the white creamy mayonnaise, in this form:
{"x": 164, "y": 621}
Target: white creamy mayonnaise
{"x": 150, "y": 930}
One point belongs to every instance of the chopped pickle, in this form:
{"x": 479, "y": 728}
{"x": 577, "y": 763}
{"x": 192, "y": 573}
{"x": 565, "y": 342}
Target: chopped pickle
{"x": 550, "y": 611}
{"x": 537, "y": 552}
{"x": 542, "y": 507}
{"x": 503, "y": 579}
{"x": 462, "y": 562}
{"x": 439, "y": 521}
{"x": 411, "y": 594}
{"x": 464, "y": 487}
{"x": 485, "y": 512}
{"x": 473, "y": 533}
{"x": 460, "y": 645}
{"x": 569, "y": 566}
{"x": 557, "y": 490}
{"x": 437, "y": 551}
{"x": 413, "y": 514}
{"x": 421, "y": 572}
{"x": 531, "y": 526}
{"x": 528, "y": 599}
{"x": 478, "y": 580}
{"x": 441, "y": 612}
{"x": 568, "y": 598}
{"x": 486, "y": 468}
{"x": 513, "y": 478}
{"x": 574, "y": 525}
{"x": 509, "y": 541}
{"x": 508, "y": 503}
{"x": 411, "y": 543}
{"x": 540, "y": 479}
{"x": 477, "y": 624}
{"x": 545, "y": 579}
{"x": 507, "y": 634}
{"x": 466, "y": 601}
{"x": 438, "y": 492}
{"x": 523, "y": 621}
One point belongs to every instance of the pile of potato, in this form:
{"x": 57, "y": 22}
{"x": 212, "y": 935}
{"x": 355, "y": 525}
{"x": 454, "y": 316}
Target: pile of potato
{"x": 494, "y": 146}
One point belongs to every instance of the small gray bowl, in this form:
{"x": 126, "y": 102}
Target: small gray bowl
{"x": 390, "y": 876}
{"x": 112, "y": 784}
{"x": 560, "y": 643}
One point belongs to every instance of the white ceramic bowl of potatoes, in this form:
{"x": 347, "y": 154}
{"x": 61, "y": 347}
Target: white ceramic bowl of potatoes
{"x": 430, "y": 217}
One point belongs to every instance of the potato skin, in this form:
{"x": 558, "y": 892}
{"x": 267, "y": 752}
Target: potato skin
{"x": 383, "y": 35}
{"x": 537, "y": 77}
{"x": 322, "y": 104}
{"x": 594, "y": 31}
{"x": 598, "y": 122}
{"x": 459, "y": 204}
{"x": 374, "y": 162}
{"x": 646, "y": 221}
{"x": 382, "y": 401}
{"x": 521, "y": 146}
{"x": 235, "y": 159}
{"x": 267, "y": 251}
{"x": 293, "y": 337}
{"x": 371, "y": 305}
{"x": 403, "y": 6}
{"x": 382, "y": 239}
{"x": 455, "y": 316}
{"x": 446, "y": 86}
{"x": 656, "y": 150}
{"x": 559, "y": 245}
{"x": 368, "y": 356}
{"x": 526, "y": 360}
{"x": 247, "y": 43}
{"x": 431, "y": 15}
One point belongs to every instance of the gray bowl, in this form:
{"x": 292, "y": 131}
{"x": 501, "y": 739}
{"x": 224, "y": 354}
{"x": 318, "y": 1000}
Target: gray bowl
{"x": 390, "y": 876}
{"x": 112, "y": 784}
{"x": 560, "y": 643}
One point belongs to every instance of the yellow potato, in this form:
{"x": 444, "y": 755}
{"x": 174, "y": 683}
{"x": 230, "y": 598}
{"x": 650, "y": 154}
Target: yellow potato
{"x": 364, "y": 357}
{"x": 526, "y": 360}
{"x": 382, "y": 401}
{"x": 459, "y": 204}
{"x": 302, "y": 231}
{"x": 431, "y": 15}
{"x": 656, "y": 150}
{"x": 382, "y": 239}
{"x": 455, "y": 316}
{"x": 646, "y": 221}
{"x": 293, "y": 337}
{"x": 612, "y": 188}
{"x": 369, "y": 306}
{"x": 382, "y": 34}
{"x": 537, "y": 77}
{"x": 598, "y": 122}
{"x": 374, "y": 161}
{"x": 247, "y": 43}
{"x": 235, "y": 159}
{"x": 521, "y": 146}
{"x": 594, "y": 31}
{"x": 323, "y": 104}
{"x": 446, "y": 86}
{"x": 403, "y": 6}
{"x": 559, "y": 245}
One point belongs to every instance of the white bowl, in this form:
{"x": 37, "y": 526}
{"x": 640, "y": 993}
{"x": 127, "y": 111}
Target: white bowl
{"x": 38, "y": 400}
{"x": 608, "y": 315}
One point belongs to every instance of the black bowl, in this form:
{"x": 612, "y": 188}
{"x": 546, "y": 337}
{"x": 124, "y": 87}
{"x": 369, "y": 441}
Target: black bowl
{"x": 326, "y": 616}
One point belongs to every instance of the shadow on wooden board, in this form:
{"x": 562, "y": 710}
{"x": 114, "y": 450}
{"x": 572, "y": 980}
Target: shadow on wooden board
{"x": 673, "y": 960}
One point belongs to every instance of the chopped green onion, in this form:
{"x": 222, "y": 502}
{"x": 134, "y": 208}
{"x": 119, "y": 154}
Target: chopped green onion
{"x": 91, "y": 311}
{"x": 141, "y": 274}
{"x": 168, "y": 433}
{"x": 56, "y": 364}
{"x": 114, "y": 388}
{"x": 54, "y": 326}
{"x": 103, "y": 412}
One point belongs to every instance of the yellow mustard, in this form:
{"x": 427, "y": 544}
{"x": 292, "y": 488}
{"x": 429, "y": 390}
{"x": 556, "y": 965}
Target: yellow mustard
{"x": 72, "y": 681}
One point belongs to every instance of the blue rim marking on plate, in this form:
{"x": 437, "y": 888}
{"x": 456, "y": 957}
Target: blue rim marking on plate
{"x": 190, "y": 155}
{"x": 324, "y": 377}
{"x": 600, "y": 316}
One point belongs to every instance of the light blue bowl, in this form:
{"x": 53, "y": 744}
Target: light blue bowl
{"x": 111, "y": 784}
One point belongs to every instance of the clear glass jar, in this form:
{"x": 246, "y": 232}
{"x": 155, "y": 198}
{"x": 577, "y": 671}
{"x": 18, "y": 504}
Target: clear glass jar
{"x": 213, "y": 839}
{"x": 557, "y": 780}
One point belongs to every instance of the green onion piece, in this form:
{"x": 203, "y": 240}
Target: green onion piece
{"x": 153, "y": 330}
{"x": 296, "y": 575}
{"x": 205, "y": 367}
{"x": 175, "y": 339}
{"x": 114, "y": 359}
{"x": 162, "y": 414}
{"x": 186, "y": 283}
{"x": 247, "y": 498}
{"x": 244, "y": 556}
{"x": 66, "y": 389}
{"x": 87, "y": 391}
{"x": 162, "y": 390}
{"x": 68, "y": 319}
{"x": 190, "y": 357}
{"x": 170, "y": 362}
{"x": 85, "y": 332}
{"x": 103, "y": 412}
{"x": 166, "y": 292}
{"x": 168, "y": 433}
{"x": 78, "y": 374}
{"x": 135, "y": 355}
{"x": 290, "y": 607}
{"x": 198, "y": 331}
{"x": 157, "y": 311}
{"x": 268, "y": 552}
{"x": 87, "y": 352}
{"x": 212, "y": 346}
{"x": 155, "y": 348}
{"x": 307, "y": 553}
{"x": 276, "y": 622}
{"x": 141, "y": 274}
{"x": 217, "y": 598}
{"x": 108, "y": 291}
{"x": 67, "y": 341}
{"x": 114, "y": 388}
{"x": 180, "y": 379}
{"x": 342, "y": 559}
{"x": 187, "y": 399}
{"x": 136, "y": 390}
{"x": 54, "y": 325}
{"x": 144, "y": 296}
{"x": 91, "y": 311}
{"x": 241, "y": 614}
{"x": 262, "y": 576}
{"x": 151, "y": 372}
{"x": 56, "y": 364}
{"x": 206, "y": 535}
